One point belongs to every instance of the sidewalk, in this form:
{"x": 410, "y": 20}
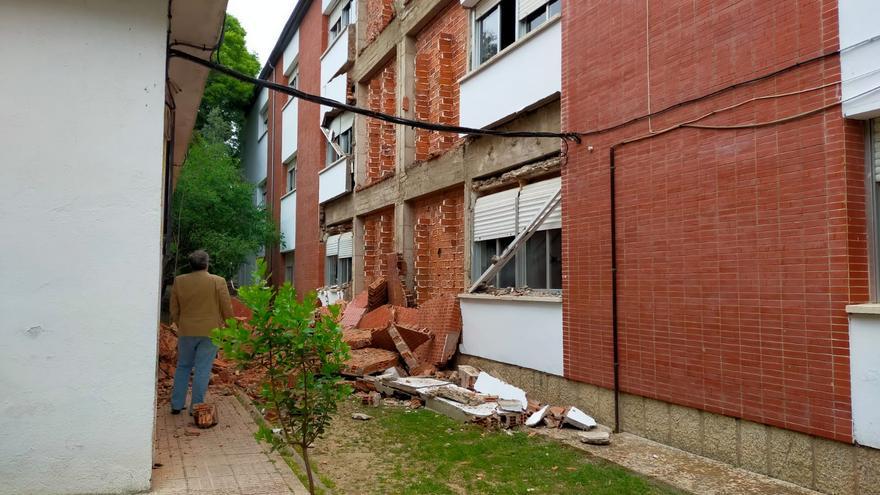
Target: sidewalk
{"x": 223, "y": 460}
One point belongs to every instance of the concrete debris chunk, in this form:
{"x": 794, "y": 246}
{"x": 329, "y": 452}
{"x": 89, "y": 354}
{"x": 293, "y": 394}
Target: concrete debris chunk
{"x": 413, "y": 385}
{"x": 579, "y": 419}
{"x": 361, "y": 416}
{"x": 536, "y": 417}
{"x": 458, "y": 411}
{"x": 467, "y": 376}
{"x": 458, "y": 394}
{"x": 510, "y": 405}
{"x": 595, "y": 437}
{"x": 489, "y": 385}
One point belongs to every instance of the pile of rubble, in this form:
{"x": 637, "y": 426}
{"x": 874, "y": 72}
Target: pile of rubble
{"x": 472, "y": 396}
{"x": 384, "y": 330}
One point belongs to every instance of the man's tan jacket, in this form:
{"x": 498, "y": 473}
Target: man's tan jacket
{"x": 199, "y": 303}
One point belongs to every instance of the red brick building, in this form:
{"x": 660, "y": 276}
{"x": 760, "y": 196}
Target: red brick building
{"x": 717, "y": 233}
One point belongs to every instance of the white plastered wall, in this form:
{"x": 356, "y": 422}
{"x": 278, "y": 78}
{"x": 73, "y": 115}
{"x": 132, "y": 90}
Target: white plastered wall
{"x": 80, "y": 213}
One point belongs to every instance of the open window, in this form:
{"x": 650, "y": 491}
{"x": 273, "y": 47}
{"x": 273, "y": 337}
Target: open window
{"x": 499, "y": 217}
{"x": 338, "y": 20}
{"x": 291, "y": 175}
{"x": 534, "y": 13}
{"x": 494, "y": 29}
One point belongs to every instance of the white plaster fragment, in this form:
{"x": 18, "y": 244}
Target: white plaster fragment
{"x": 489, "y": 385}
{"x": 538, "y": 416}
{"x": 579, "y": 419}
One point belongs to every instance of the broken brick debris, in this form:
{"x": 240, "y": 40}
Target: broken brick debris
{"x": 377, "y": 293}
{"x": 369, "y": 360}
{"x": 395, "y": 285}
{"x": 467, "y": 376}
{"x": 459, "y": 394}
{"x": 378, "y": 318}
{"x": 351, "y": 316}
{"x": 357, "y": 338}
{"x": 205, "y": 415}
{"x": 405, "y": 352}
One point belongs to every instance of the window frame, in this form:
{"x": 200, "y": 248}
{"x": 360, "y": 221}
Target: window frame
{"x": 543, "y": 13}
{"x": 290, "y": 167}
{"x": 872, "y": 187}
{"x": 507, "y": 35}
{"x": 519, "y": 263}
{"x": 335, "y": 30}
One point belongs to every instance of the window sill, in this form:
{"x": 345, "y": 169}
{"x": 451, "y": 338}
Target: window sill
{"x": 510, "y": 49}
{"x": 863, "y": 309}
{"x": 288, "y": 193}
{"x": 335, "y": 40}
{"x": 491, "y": 297}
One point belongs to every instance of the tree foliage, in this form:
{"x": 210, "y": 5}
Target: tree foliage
{"x": 302, "y": 352}
{"x": 213, "y": 206}
{"x": 231, "y": 96}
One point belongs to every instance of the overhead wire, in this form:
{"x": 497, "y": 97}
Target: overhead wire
{"x": 321, "y": 100}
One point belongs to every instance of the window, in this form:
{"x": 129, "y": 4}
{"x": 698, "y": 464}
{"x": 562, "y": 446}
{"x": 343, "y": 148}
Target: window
{"x": 339, "y": 25}
{"x": 495, "y": 31}
{"x": 291, "y": 176}
{"x": 345, "y": 141}
{"x": 337, "y": 263}
{"x": 540, "y": 16}
{"x": 261, "y": 191}
{"x": 288, "y": 268}
{"x": 264, "y": 120}
{"x": 499, "y": 217}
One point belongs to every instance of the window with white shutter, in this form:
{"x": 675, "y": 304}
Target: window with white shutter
{"x": 337, "y": 263}
{"x": 499, "y": 217}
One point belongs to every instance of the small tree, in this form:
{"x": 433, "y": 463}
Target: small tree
{"x": 302, "y": 352}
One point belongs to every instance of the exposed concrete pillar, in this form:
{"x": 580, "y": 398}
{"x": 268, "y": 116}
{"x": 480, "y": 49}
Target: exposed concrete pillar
{"x": 406, "y": 136}
{"x": 469, "y": 199}
{"x": 357, "y": 259}
{"x": 404, "y": 237}
{"x": 361, "y": 137}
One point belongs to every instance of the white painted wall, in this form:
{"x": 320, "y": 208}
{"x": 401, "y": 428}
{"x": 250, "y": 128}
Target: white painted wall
{"x": 860, "y": 57}
{"x": 524, "y": 331}
{"x": 335, "y": 90}
{"x": 864, "y": 345}
{"x": 80, "y": 215}
{"x": 255, "y": 151}
{"x": 289, "y": 128}
{"x": 333, "y": 181}
{"x": 288, "y": 221}
{"x": 526, "y": 73}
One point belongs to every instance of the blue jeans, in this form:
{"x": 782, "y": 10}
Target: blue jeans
{"x": 192, "y": 351}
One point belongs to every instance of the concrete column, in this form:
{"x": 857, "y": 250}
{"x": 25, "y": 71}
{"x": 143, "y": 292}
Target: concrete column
{"x": 406, "y": 136}
{"x": 404, "y": 237}
{"x": 469, "y": 199}
{"x": 357, "y": 259}
{"x": 361, "y": 138}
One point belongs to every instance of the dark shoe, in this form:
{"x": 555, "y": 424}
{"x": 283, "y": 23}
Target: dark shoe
{"x": 175, "y": 411}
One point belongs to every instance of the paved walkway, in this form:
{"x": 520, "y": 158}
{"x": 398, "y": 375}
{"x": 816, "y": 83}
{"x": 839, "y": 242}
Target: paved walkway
{"x": 223, "y": 460}
{"x": 690, "y": 472}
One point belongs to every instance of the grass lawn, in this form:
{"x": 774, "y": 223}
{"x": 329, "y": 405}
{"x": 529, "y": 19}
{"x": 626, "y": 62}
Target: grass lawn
{"x": 420, "y": 452}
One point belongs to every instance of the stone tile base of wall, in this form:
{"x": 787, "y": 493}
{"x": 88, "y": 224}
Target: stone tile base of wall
{"x": 811, "y": 462}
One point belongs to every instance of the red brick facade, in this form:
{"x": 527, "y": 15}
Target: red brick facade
{"x": 379, "y": 14}
{"x": 382, "y": 136}
{"x": 309, "y": 254}
{"x": 439, "y": 245}
{"x": 440, "y": 61}
{"x": 738, "y": 250}
{"x": 378, "y": 241}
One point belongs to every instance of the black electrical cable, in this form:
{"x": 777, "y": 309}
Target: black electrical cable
{"x": 570, "y": 136}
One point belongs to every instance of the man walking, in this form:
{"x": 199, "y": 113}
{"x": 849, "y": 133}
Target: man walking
{"x": 199, "y": 303}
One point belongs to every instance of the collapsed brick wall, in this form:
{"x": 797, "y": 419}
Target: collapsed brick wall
{"x": 737, "y": 251}
{"x": 440, "y": 61}
{"x": 439, "y": 245}
{"x": 382, "y": 136}
{"x": 379, "y": 15}
{"x": 378, "y": 242}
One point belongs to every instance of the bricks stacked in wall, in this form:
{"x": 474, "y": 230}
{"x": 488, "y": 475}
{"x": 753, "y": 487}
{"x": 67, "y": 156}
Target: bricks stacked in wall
{"x": 738, "y": 250}
{"x": 440, "y": 61}
{"x": 439, "y": 244}
{"x": 379, "y": 15}
{"x": 382, "y": 136}
{"x": 378, "y": 243}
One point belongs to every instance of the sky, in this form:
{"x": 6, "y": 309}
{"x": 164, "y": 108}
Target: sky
{"x": 263, "y": 20}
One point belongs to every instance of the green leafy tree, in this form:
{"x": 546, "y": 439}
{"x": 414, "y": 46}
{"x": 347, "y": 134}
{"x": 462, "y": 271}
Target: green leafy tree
{"x": 231, "y": 96}
{"x": 213, "y": 205}
{"x": 302, "y": 352}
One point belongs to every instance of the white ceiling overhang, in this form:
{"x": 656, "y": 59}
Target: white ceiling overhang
{"x": 196, "y": 26}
